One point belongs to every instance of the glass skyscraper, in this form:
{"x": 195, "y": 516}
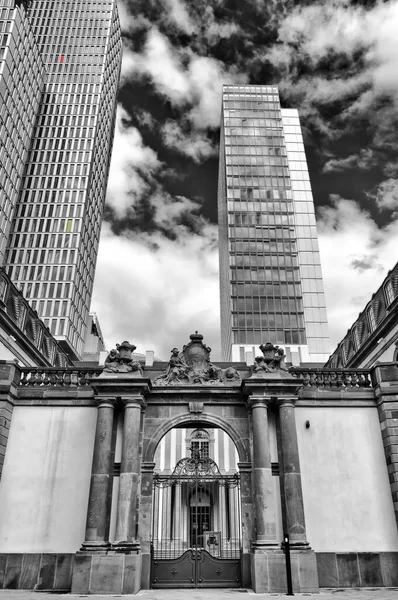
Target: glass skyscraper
{"x": 52, "y": 247}
{"x": 270, "y": 273}
{"x": 21, "y": 85}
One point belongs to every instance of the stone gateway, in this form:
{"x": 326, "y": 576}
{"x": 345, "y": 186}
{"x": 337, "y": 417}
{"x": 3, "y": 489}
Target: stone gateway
{"x": 190, "y": 474}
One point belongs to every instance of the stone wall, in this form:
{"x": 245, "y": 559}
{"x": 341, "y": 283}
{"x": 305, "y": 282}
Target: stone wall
{"x": 36, "y": 572}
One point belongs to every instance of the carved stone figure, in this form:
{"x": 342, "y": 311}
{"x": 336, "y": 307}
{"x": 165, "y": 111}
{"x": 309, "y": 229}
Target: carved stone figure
{"x": 193, "y": 367}
{"x": 272, "y": 360}
{"x": 122, "y": 361}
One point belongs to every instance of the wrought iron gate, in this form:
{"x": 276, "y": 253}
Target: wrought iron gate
{"x": 196, "y": 528}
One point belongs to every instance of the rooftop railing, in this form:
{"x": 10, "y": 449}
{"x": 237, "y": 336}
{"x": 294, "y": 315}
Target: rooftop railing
{"x": 51, "y": 376}
{"x": 332, "y": 378}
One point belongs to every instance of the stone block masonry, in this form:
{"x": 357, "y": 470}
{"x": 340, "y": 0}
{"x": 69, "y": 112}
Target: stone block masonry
{"x": 385, "y": 380}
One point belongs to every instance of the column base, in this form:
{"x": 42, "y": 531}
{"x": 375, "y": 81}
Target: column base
{"x": 268, "y": 570}
{"x": 110, "y": 574}
{"x": 97, "y": 547}
{"x": 126, "y": 547}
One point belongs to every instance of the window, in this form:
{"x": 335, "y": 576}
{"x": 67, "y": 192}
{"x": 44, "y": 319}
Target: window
{"x": 371, "y": 318}
{"x": 200, "y": 443}
{"x": 389, "y": 292}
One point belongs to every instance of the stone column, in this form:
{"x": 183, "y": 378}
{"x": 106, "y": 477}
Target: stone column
{"x": 177, "y": 514}
{"x": 130, "y": 467}
{"x": 293, "y": 494}
{"x": 264, "y": 505}
{"x": 100, "y": 477}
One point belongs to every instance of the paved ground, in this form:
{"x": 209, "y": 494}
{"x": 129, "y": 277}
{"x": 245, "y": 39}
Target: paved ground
{"x": 212, "y": 594}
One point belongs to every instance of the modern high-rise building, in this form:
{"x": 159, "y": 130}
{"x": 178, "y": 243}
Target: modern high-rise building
{"x": 270, "y": 272}
{"x": 21, "y": 85}
{"x": 73, "y": 50}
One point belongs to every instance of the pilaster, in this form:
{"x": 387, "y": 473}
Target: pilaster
{"x": 291, "y": 474}
{"x": 268, "y": 569}
{"x": 127, "y": 518}
{"x": 97, "y": 518}
{"x": 385, "y": 381}
{"x": 9, "y": 381}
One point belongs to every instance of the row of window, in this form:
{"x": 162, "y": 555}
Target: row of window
{"x": 276, "y": 336}
{"x": 261, "y": 232}
{"x": 262, "y": 274}
{"x": 49, "y": 210}
{"x": 268, "y": 321}
{"x": 259, "y": 182}
{"x": 263, "y": 260}
{"x": 276, "y": 289}
{"x": 261, "y": 193}
{"x": 263, "y": 246}
{"x": 263, "y": 305}
{"x": 257, "y": 170}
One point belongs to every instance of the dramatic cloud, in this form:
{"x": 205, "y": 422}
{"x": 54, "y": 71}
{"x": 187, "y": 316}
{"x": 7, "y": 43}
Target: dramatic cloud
{"x": 356, "y": 255}
{"x": 386, "y": 195}
{"x": 194, "y": 144}
{"x": 132, "y": 166}
{"x": 157, "y": 298}
{"x": 186, "y": 79}
{"x": 335, "y": 61}
{"x": 341, "y": 56}
{"x": 363, "y": 160}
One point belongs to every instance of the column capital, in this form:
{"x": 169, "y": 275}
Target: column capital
{"x": 133, "y": 401}
{"x": 286, "y": 401}
{"x": 147, "y": 467}
{"x": 105, "y": 402}
{"x": 245, "y": 467}
{"x": 259, "y": 401}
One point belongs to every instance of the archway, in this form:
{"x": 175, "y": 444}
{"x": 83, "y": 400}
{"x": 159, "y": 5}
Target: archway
{"x": 196, "y": 529}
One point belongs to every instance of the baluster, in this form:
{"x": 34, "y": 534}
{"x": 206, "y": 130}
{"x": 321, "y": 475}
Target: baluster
{"x": 339, "y": 379}
{"x": 24, "y": 378}
{"x": 81, "y": 378}
{"x": 354, "y": 379}
{"x": 52, "y": 377}
{"x": 312, "y": 379}
{"x": 320, "y": 380}
{"x": 60, "y": 378}
{"x": 307, "y": 379}
{"x": 67, "y": 378}
{"x": 39, "y": 377}
{"x": 333, "y": 379}
{"x": 33, "y": 377}
{"x": 326, "y": 376}
{"x": 46, "y": 380}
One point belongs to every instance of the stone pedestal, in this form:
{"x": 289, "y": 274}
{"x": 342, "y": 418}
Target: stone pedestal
{"x": 109, "y": 574}
{"x": 268, "y": 570}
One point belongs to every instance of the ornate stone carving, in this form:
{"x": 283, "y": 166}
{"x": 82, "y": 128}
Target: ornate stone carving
{"x": 272, "y": 360}
{"x": 192, "y": 366}
{"x": 122, "y": 361}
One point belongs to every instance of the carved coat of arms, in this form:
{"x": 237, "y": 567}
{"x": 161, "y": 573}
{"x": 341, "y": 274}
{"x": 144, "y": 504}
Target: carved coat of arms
{"x": 192, "y": 366}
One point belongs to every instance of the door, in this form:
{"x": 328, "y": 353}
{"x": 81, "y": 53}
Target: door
{"x": 196, "y": 527}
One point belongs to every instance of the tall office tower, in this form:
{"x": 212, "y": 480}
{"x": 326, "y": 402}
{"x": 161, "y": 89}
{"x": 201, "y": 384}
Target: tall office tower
{"x": 21, "y": 84}
{"x": 52, "y": 249}
{"x": 270, "y": 274}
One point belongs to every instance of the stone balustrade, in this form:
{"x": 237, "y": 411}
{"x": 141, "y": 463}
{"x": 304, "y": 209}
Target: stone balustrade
{"x": 35, "y": 376}
{"x": 350, "y": 379}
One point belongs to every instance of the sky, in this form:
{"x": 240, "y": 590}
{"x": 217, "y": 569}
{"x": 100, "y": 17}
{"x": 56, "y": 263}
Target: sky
{"x": 336, "y": 62}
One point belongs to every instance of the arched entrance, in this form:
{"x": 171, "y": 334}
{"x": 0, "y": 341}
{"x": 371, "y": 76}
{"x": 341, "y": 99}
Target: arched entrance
{"x": 196, "y": 536}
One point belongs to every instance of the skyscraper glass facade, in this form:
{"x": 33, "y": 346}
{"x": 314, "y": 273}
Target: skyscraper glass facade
{"x": 264, "y": 236}
{"x": 52, "y": 249}
{"x": 21, "y": 84}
